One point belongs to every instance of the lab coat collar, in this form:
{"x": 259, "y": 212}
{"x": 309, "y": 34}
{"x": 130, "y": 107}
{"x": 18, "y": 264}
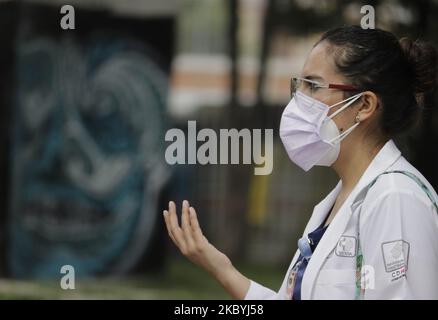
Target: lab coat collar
{"x": 381, "y": 162}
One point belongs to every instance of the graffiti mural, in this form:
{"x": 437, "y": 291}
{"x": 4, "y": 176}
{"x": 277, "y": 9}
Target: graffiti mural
{"x": 87, "y": 157}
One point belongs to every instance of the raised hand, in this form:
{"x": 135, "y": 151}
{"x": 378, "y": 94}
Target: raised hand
{"x": 192, "y": 243}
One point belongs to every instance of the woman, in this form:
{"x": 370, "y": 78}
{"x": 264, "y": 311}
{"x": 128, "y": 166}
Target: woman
{"x": 375, "y": 235}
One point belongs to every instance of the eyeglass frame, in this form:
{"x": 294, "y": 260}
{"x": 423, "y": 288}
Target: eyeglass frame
{"x": 343, "y": 87}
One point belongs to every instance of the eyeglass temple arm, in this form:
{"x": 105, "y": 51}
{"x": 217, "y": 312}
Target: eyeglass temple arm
{"x": 343, "y": 87}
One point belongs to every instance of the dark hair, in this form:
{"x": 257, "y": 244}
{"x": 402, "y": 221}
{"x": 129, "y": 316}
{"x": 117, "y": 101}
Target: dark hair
{"x": 399, "y": 72}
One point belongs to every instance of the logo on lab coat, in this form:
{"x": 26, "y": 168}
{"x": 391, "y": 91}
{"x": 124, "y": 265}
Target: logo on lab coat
{"x": 395, "y": 255}
{"x": 346, "y": 247}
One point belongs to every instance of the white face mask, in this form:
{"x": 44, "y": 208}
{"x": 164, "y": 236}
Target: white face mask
{"x": 309, "y": 136}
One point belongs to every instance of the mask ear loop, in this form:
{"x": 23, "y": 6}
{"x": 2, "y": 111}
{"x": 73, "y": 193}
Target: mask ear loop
{"x": 352, "y": 100}
{"x": 346, "y": 132}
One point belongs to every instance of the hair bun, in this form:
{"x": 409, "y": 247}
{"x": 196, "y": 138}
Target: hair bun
{"x": 423, "y": 58}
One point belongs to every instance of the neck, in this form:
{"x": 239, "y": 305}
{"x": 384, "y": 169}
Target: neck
{"x": 354, "y": 160}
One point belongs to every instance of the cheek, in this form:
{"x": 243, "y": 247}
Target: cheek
{"x": 340, "y": 123}
{"x": 343, "y": 119}
{"x": 329, "y": 97}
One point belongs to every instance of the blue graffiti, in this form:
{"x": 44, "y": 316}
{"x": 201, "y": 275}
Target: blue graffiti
{"x": 87, "y": 156}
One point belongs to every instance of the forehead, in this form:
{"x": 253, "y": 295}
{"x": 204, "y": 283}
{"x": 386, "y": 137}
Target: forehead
{"x": 320, "y": 64}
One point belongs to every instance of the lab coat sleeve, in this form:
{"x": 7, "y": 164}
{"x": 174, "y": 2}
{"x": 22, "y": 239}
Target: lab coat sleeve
{"x": 398, "y": 237}
{"x": 258, "y": 292}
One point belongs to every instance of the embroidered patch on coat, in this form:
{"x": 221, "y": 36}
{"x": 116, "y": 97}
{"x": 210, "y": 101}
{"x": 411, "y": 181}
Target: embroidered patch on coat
{"x": 395, "y": 255}
{"x": 346, "y": 247}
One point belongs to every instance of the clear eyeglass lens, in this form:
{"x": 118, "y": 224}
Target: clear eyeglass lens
{"x": 306, "y": 87}
{"x": 296, "y": 84}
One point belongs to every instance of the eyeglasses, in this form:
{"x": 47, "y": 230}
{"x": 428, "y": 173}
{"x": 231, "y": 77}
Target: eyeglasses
{"x": 310, "y": 87}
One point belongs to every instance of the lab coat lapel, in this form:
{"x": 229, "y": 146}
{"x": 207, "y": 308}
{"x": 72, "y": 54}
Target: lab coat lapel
{"x": 321, "y": 209}
{"x": 327, "y": 243}
{"x": 319, "y": 213}
{"x": 384, "y": 159}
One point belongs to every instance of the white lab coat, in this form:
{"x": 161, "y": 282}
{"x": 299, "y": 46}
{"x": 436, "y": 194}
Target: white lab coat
{"x": 397, "y": 227}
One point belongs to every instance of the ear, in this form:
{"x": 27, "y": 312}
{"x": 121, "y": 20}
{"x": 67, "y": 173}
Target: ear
{"x": 370, "y": 105}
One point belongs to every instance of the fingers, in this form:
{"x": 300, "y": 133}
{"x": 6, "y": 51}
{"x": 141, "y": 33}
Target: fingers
{"x": 175, "y": 230}
{"x": 167, "y": 221}
{"x": 188, "y": 238}
{"x": 185, "y": 223}
{"x": 194, "y": 223}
